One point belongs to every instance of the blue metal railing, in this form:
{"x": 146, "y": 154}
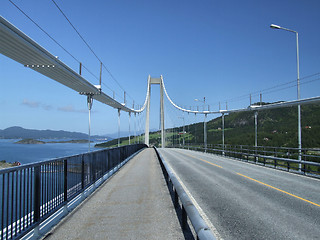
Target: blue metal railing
{"x": 31, "y": 193}
{"x": 277, "y": 157}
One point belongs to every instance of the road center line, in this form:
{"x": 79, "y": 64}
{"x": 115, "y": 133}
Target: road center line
{"x": 318, "y": 205}
{"x": 201, "y": 160}
{"x": 290, "y": 194}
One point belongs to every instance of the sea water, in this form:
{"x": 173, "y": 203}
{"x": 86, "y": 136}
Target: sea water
{"x": 29, "y": 153}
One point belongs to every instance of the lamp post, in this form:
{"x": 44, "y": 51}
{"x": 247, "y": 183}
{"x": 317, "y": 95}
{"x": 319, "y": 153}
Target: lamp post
{"x": 204, "y": 124}
{"x": 298, "y": 87}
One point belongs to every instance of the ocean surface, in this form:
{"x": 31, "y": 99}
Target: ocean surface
{"x": 29, "y": 153}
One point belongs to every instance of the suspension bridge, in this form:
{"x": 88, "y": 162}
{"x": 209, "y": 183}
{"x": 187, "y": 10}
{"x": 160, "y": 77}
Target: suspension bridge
{"x": 213, "y": 191}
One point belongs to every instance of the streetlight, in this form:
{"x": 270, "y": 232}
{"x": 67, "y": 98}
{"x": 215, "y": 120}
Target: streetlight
{"x": 204, "y": 124}
{"x": 298, "y": 87}
{"x": 204, "y": 101}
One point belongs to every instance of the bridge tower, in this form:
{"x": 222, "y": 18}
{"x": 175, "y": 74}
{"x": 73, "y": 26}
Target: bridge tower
{"x": 150, "y": 82}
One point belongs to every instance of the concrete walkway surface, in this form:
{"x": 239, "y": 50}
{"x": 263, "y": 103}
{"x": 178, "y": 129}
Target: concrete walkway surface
{"x": 133, "y": 204}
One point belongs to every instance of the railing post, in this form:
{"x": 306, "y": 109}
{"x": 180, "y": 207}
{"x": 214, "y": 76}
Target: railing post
{"x": 65, "y": 182}
{"x": 82, "y": 172}
{"x": 94, "y": 169}
{"x": 120, "y": 156}
{"x": 169, "y": 183}
{"x": 305, "y": 159}
{"x": 109, "y": 161}
{"x": 82, "y": 177}
{"x": 119, "y": 127}
{"x": 256, "y": 134}
{"x": 91, "y": 169}
{"x": 65, "y": 186}
{"x": 105, "y": 162}
{"x": 184, "y": 217}
{"x": 176, "y": 201}
{"x": 223, "y": 134}
{"x": 36, "y": 192}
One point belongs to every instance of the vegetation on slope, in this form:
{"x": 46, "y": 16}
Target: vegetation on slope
{"x": 276, "y": 127}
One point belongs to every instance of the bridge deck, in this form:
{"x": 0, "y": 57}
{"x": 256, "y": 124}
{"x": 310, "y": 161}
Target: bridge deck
{"x": 134, "y": 204}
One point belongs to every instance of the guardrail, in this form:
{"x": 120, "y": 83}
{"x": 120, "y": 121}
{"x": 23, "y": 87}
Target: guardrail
{"x": 32, "y": 193}
{"x": 188, "y": 209}
{"x": 276, "y": 157}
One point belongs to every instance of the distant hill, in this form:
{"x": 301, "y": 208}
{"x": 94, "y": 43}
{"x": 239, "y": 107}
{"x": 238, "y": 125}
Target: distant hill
{"x": 19, "y": 132}
{"x": 124, "y": 134}
{"x": 276, "y": 127}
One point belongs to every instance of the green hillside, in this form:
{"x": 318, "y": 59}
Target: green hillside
{"x": 276, "y": 127}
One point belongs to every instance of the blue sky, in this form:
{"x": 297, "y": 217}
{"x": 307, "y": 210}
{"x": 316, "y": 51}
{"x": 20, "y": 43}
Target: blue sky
{"x": 217, "y": 49}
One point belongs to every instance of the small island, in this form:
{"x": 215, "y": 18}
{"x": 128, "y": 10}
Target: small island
{"x": 71, "y": 141}
{"x": 29, "y": 141}
{"x": 5, "y": 164}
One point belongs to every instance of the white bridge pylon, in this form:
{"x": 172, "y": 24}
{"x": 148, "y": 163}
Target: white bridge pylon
{"x": 152, "y": 81}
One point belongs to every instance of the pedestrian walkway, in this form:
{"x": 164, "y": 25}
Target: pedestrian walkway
{"x": 134, "y": 204}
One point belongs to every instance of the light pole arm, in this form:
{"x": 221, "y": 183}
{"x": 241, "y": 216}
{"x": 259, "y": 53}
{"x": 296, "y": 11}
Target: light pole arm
{"x": 287, "y": 29}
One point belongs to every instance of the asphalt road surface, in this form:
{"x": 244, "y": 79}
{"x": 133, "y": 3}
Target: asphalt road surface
{"x": 246, "y": 201}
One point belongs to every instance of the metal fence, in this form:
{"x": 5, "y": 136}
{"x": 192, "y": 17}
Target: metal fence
{"x": 33, "y": 192}
{"x": 188, "y": 209}
{"x": 277, "y": 157}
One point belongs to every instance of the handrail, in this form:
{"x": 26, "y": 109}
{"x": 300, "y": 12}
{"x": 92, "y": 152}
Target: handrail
{"x": 31, "y": 193}
{"x": 259, "y": 156}
{"x": 188, "y": 209}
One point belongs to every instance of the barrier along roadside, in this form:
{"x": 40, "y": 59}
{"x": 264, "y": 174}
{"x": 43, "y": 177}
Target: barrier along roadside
{"x": 188, "y": 209}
